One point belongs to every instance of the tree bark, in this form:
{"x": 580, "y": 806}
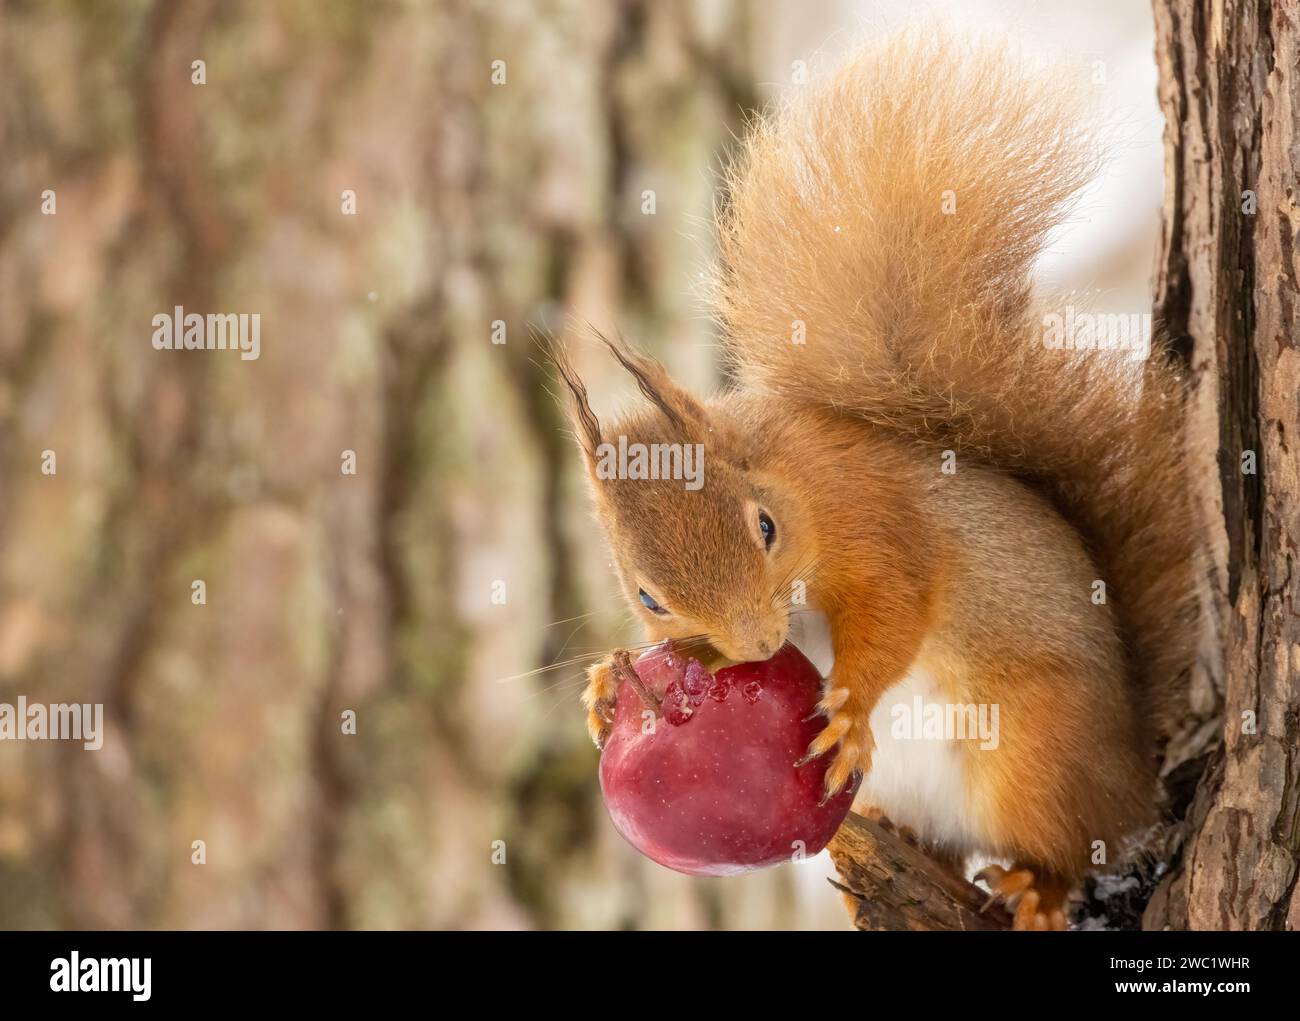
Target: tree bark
{"x": 891, "y": 885}
{"x": 1227, "y": 291}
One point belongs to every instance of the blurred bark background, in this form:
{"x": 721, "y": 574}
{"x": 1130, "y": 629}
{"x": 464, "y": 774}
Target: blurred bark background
{"x": 477, "y": 203}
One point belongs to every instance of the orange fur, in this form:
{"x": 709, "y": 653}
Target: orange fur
{"x": 922, "y": 337}
{"x": 922, "y": 322}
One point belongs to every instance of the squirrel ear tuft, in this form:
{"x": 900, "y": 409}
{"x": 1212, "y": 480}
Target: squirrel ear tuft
{"x": 586, "y": 427}
{"x": 686, "y": 414}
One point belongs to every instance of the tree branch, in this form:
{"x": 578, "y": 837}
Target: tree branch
{"x": 888, "y": 884}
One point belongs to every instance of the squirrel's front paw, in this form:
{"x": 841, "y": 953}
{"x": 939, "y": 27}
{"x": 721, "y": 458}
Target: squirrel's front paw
{"x": 599, "y": 697}
{"x": 848, "y": 728}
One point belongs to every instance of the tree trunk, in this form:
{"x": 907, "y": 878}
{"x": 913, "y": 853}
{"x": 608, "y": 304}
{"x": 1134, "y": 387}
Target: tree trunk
{"x": 1227, "y": 291}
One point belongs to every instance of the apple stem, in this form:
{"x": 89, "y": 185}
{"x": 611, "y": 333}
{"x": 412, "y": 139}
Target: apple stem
{"x": 625, "y": 671}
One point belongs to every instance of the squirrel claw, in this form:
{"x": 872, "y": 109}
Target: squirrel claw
{"x": 835, "y": 793}
{"x": 1037, "y": 902}
{"x": 853, "y": 755}
{"x": 599, "y": 721}
{"x": 844, "y": 769}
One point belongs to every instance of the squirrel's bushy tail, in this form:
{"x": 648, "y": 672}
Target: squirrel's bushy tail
{"x": 893, "y": 213}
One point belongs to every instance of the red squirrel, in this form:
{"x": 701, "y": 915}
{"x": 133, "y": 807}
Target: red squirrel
{"x": 983, "y": 516}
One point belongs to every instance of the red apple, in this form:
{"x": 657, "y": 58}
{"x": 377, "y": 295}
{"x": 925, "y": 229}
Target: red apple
{"x": 699, "y": 772}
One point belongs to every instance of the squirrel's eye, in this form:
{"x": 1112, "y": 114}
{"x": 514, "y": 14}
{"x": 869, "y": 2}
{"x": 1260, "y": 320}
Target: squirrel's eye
{"x": 648, "y": 602}
{"x": 768, "y": 527}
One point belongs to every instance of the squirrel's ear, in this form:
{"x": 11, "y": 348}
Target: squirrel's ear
{"x": 586, "y": 427}
{"x": 687, "y": 414}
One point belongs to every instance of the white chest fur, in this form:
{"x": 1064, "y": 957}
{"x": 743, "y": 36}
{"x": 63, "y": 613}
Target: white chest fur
{"x": 920, "y": 781}
{"x": 917, "y": 781}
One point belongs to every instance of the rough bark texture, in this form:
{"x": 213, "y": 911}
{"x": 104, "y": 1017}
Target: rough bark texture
{"x": 890, "y": 885}
{"x": 1227, "y": 290}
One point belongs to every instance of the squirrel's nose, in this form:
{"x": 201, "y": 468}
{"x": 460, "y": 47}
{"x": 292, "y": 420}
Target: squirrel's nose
{"x": 749, "y": 648}
{"x": 767, "y": 647}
